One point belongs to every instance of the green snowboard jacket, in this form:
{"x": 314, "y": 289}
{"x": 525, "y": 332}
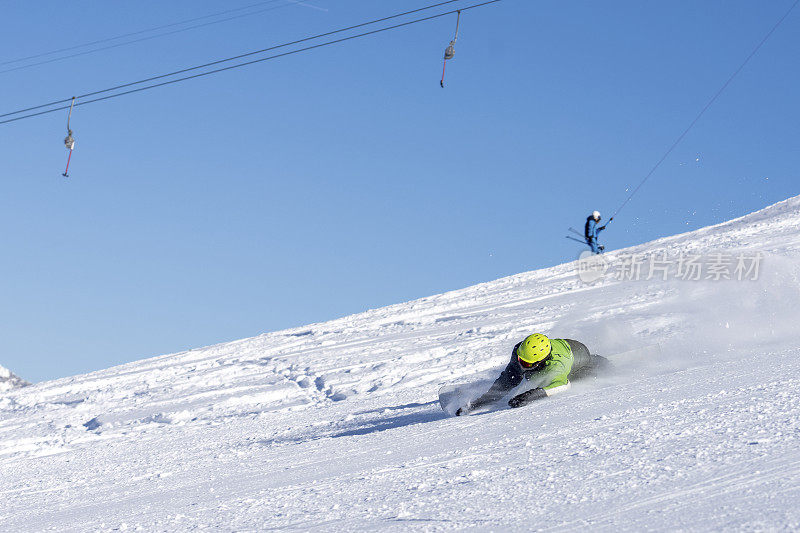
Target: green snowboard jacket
{"x": 552, "y": 377}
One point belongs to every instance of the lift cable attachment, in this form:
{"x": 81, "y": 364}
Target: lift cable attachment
{"x": 69, "y": 140}
{"x": 450, "y": 51}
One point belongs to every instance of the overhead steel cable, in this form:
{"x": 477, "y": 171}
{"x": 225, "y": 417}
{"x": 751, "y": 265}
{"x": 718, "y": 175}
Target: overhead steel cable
{"x": 142, "y": 39}
{"x": 140, "y": 32}
{"x": 238, "y": 65}
{"x": 707, "y": 106}
{"x": 240, "y": 56}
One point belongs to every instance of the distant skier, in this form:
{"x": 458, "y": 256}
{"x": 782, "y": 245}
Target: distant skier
{"x": 591, "y": 230}
{"x": 547, "y": 364}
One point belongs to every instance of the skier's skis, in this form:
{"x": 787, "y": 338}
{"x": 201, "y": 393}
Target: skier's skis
{"x": 576, "y": 232}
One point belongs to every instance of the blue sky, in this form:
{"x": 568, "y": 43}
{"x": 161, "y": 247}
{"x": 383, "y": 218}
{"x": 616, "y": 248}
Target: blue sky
{"x": 343, "y": 179}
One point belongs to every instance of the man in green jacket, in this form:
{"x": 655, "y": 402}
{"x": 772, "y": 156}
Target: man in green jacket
{"x": 546, "y": 363}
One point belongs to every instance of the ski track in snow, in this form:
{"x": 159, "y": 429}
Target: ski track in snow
{"x": 335, "y": 426}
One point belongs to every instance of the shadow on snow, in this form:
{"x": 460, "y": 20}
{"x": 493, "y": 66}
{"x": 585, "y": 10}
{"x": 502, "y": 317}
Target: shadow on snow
{"x": 382, "y": 424}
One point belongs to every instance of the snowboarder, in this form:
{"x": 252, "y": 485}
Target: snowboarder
{"x": 547, "y": 364}
{"x": 591, "y": 230}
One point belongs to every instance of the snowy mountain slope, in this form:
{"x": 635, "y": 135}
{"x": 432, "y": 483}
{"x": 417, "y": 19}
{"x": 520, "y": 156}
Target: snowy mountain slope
{"x": 335, "y": 426}
{"x": 8, "y": 380}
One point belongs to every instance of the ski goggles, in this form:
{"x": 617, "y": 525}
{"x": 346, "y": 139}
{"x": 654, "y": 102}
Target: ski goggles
{"x": 527, "y": 366}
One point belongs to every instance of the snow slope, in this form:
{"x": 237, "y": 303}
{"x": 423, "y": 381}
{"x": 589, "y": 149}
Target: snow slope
{"x": 8, "y": 380}
{"x": 335, "y": 426}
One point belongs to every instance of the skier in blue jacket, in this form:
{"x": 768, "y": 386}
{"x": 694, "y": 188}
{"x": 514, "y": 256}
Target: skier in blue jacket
{"x": 591, "y": 231}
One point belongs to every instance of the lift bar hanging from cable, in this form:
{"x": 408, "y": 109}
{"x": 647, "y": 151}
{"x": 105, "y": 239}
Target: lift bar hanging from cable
{"x": 84, "y": 100}
{"x": 450, "y": 51}
{"x": 69, "y": 140}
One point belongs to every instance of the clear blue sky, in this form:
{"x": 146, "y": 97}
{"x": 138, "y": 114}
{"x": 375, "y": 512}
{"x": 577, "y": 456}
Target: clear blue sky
{"x": 343, "y": 179}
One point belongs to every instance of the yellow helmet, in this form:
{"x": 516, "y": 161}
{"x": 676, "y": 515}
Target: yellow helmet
{"x": 534, "y": 348}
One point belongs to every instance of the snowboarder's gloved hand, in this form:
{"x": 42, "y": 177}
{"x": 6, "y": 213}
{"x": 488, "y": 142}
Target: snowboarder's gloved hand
{"x": 601, "y": 228}
{"x": 526, "y": 397}
{"x": 462, "y": 411}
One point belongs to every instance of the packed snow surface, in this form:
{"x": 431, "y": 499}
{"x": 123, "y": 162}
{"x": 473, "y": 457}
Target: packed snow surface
{"x": 336, "y": 426}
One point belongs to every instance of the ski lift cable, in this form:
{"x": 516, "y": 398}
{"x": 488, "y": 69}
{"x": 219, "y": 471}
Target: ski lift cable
{"x": 132, "y": 34}
{"x": 231, "y": 67}
{"x": 705, "y": 108}
{"x": 142, "y": 39}
{"x": 240, "y": 56}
